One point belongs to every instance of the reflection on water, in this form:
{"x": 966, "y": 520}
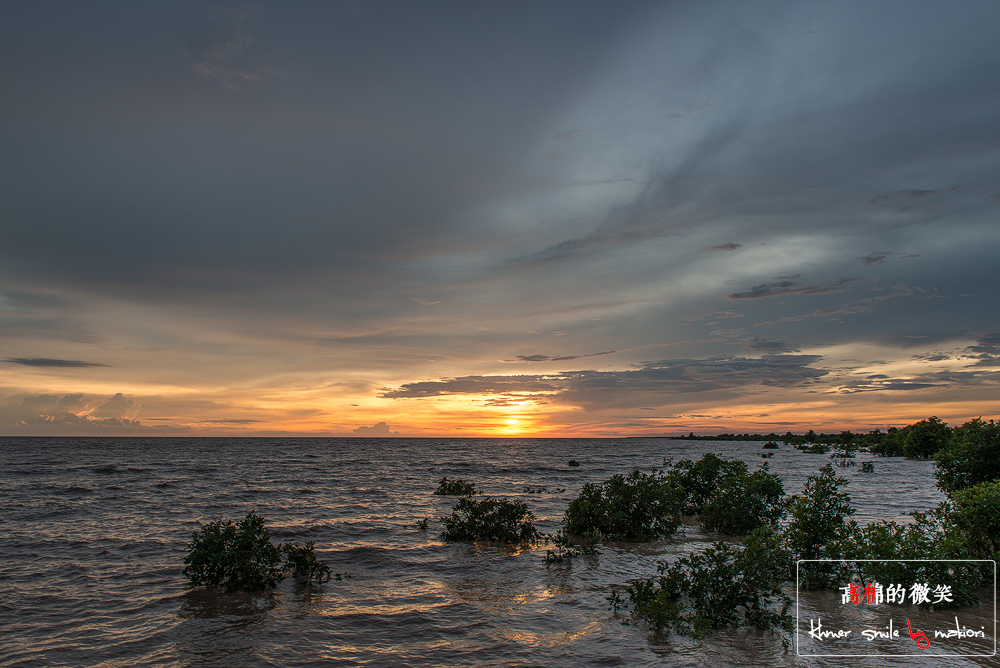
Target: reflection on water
{"x": 210, "y": 604}
{"x": 95, "y": 532}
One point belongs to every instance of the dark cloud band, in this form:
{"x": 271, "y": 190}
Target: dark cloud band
{"x": 47, "y": 362}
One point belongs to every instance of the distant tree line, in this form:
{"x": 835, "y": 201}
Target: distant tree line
{"x": 922, "y": 439}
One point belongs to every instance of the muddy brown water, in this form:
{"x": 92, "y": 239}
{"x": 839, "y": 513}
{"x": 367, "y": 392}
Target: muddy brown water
{"x": 93, "y": 533}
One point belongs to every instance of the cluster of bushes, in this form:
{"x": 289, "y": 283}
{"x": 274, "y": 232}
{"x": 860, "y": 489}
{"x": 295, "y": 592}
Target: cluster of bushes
{"x": 921, "y": 439}
{"x": 732, "y": 585}
{"x": 638, "y": 507}
{"x": 633, "y": 507}
{"x": 723, "y": 586}
{"x": 972, "y": 456}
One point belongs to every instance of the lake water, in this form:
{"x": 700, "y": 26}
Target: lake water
{"x": 93, "y": 534}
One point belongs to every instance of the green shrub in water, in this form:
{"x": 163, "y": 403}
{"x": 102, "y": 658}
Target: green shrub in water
{"x": 455, "y": 488}
{"x": 744, "y": 501}
{"x": 891, "y": 553}
{"x": 634, "y": 507}
{"x": 818, "y": 519}
{"x": 971, "y": 457}
{"x": 723, "y": 586}
{"x": 925, "y": 438}
{"x": 567, "y": 548}
{"x": 494, "y": 520}
{"x": 972, "y": 518}
{"x": 302, "y": 562}
{"x": 700, "y": 479}
{"x": 240, "y": 557}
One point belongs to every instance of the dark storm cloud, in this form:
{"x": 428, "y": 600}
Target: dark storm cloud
{"x": 879, "y": 257}
{"x": 476, "y": 385}
{"x": 906, "y": 194}
{"x": 726, "y": 247}
{"x": 932, "y": 357}
{"x": 986, "y": 350}
{"x": 885, "y": 385}
{"x": 651, "y": 383}
{"x": 769, "y": 345}
{"x": 46, "y": 362}
{"x": 790, "y": 287}
{"x": 759, "y": 155}
{"x": 176, "y": 172}
{"x": 546, "y": 358}
{"x": 947, "y": 380}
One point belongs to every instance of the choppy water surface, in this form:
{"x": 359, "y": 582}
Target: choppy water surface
{"x": 93, "y": 533}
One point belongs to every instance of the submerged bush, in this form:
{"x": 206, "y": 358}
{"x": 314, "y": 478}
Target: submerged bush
{"x": 699, "y": 479}
{"x": 455, "y": 488}
{"x": 634, "y": 507}
{"x": 241, "y": 557}
{"x": 923, "y": 439}
{"x": 972, "y": 456}
{"x": 494, "y": 520}
{"x": 888, "y": 552}
{"x": 567, "y": 548}
{"x": 818, "y": 519}
{"x": 302, "y": 562}
{"x": 972, "y": 518}
{"x": 723, "y": 586}
{"x": 744, "y": 501}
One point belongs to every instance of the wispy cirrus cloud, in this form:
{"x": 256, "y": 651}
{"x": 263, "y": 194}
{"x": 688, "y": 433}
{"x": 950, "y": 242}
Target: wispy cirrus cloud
{"x": 908, "y": 194}
{"x": 789, "y": 286}
{"x": 880, "y": 257}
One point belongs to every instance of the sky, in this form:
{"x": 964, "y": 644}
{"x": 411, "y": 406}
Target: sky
{"x": 518, "y": 218}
